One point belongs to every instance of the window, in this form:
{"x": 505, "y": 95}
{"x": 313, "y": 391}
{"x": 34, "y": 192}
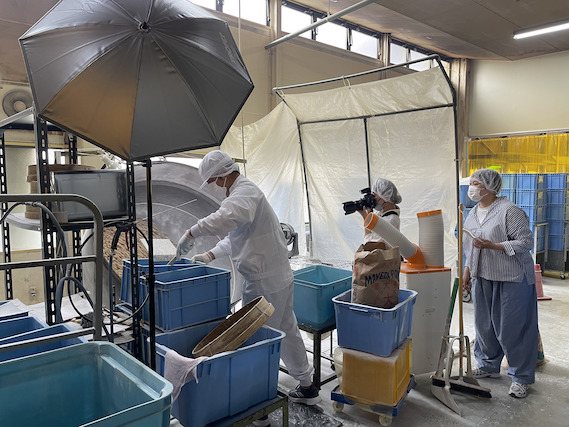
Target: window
{"x": 398, "y": 54}
{"x": 294, "y": 20}
{"x": 332, "y": 34}
{"x": 252, "y": 10}
{"x": 364, "y": 44}
{"x": 419, "y": 66}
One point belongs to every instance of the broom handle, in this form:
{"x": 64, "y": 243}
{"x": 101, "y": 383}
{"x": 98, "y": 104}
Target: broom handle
{"x": 460, "y": 287}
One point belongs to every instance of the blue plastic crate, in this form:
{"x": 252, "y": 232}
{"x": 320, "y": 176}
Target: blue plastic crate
{"x": 557, "y": 212}
{"x": 94, "y": 383}
{"x": 12, "y": 308}
{"x": 371, "y": 329}
{"x": 229, "y": 382}
{"x": 557, "y": 181}
{"x": 555, "y": 242}
{"x": 20, "y": 325}
{"x": 188, "y": 296}
{"x": 159, "y": 267}
{"x": 314, "y": 288}
{"x": 464, "y": 199}
{"x": 530, "y": 197}
{"x": 530, "y": 181}
{"x": 38, "y": 333}
{"x": 510, "y": 194}
{"x": 535, "y": 213}
{"x": 557, "y": 197}
{"x": 509, "y": 181}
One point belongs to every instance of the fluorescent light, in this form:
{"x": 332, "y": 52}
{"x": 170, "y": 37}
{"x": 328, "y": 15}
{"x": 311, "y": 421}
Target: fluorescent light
{"x": 544, "y": 29}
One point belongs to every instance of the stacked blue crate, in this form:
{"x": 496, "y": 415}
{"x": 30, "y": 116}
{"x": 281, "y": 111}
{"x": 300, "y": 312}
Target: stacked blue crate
{"x": 557, "y": 208}
{"x": 509, "y": 186}
{"x": 531, "y": 197}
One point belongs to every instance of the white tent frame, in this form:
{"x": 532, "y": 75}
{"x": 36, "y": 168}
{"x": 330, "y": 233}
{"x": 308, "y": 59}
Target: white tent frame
{"x": 300, "y": 123}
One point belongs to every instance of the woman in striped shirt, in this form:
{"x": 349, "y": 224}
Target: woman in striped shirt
{"x": 501, "y": 267}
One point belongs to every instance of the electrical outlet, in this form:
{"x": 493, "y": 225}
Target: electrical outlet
{"x": 33, "y": 292}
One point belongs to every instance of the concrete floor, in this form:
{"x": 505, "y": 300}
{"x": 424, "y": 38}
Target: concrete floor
{"x": 547, "y": 403}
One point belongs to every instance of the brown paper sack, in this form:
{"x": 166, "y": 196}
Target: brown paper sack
{"x": 375, "y": 277}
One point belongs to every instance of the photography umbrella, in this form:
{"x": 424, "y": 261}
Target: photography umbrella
{"x": 139, "y": 78}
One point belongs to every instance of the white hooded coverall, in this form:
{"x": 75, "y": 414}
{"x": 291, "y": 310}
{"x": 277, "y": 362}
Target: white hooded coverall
{"x": 257, "y": 245}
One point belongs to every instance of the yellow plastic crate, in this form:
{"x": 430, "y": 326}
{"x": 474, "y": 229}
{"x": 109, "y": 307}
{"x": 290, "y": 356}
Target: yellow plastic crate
{"x": 375, "y": 380}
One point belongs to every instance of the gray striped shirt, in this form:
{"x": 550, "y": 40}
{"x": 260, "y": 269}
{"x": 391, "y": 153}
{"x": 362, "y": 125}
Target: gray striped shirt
{"x": 508, "y": 224}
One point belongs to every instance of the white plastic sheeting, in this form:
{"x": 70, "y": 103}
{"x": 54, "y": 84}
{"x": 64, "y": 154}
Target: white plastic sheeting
{"x": 410, "y": 141}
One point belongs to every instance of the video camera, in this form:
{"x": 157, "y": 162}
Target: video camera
{"x": 367, "y": 201}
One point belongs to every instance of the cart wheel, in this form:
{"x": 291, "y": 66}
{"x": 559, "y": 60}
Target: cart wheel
{"x": 562, "y": 277}
{"x": 466, "y": 296}
{"x": 338, "y": 406}
{"x": 332, "y": 366}
{"x": 385, "y": 420}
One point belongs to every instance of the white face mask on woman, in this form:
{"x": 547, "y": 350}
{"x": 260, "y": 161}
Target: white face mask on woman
{"x": 474, "y": 193}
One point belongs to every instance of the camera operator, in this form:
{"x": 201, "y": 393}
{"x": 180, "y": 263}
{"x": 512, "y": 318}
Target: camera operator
{"x": 387, "y": 198}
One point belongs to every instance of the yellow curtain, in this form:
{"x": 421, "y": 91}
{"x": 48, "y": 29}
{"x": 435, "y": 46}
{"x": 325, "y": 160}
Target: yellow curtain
{"x": 521, "y": 154}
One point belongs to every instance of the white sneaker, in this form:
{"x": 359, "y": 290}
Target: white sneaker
{"x": 480, "y": 373}
{"x": 518, "y": 390}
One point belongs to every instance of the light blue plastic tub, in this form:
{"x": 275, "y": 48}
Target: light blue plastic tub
{"x": 38, "y": 333}
{"x": 19, "y": 325}
{"x": 371, "y": 329}
{"x": 94, "y": 383}
{"x": 228, "y": 382}
{"x": 314, "y": 288}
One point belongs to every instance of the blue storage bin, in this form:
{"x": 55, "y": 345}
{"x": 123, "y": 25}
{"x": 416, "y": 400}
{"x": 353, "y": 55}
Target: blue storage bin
{"x": 464, "y": 199}
{"x": 371, "y": 329}
{"x": 188, "y": 296}
{"x": 509, "y": 181}
{"x": 557, "y": 212}
{"x": 557, "y": 197}
{"x": 159, "y": 267}
{"x": 557, "y": 181}
{"x": 229, "y": 382}
{"x": 555, "y": 242}
{"x": 510, "y": 194}
{"x": 12, "y": 308}
{"x": 20, "y": 325}
{"x": 530, "y": 197}
{"x": 41, "y": 347}
{"x": 535, "y": 213}
{"x": 314, "y": 288}
{"x": 530, "y": 181}
{"x": 94, "y": 383}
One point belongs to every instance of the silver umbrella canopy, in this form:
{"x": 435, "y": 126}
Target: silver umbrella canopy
{"x": 139, "y": 78}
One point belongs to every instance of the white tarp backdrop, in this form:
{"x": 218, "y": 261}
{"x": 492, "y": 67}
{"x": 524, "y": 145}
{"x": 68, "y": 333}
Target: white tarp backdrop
{"x": 411, "y": 141}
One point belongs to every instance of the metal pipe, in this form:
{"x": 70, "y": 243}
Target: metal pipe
{"x": 98, "y": 233}
{"x": 4, "y": 348}
{"x": 46, "y": 262}
{"x": 318, "y": 23}
{"x": 351, "y": 76}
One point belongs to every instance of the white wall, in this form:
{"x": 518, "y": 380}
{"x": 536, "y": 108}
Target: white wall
{"x": 521, "y": 96}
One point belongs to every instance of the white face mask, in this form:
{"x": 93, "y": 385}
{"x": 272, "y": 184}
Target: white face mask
{"x": 216, "y": 191}
{"x": 474, "y": 193}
